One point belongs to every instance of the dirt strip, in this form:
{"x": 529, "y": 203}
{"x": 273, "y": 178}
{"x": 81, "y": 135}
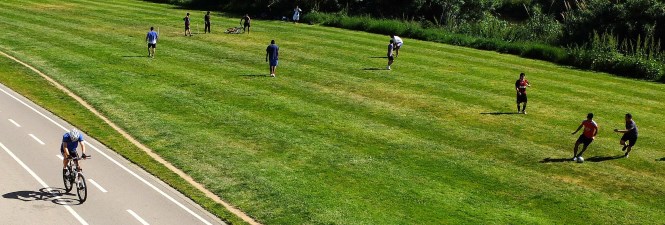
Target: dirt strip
{"x": 147, "y": 150}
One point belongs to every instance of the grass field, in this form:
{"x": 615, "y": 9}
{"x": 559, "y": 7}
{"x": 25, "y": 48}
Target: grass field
{"x": 334, "y": 139}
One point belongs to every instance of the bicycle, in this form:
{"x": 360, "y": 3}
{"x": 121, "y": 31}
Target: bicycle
{"x": 73, "y": 175}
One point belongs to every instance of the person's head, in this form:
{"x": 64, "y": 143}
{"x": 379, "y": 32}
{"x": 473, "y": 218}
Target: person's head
{"x": 208, "y": 13}
{"x": 187, "y": 14}
{"x": 392, "y": 36}
{"x": 629, "y": 117}
{"x": 272, "y": 42}
{"x": 589, "y": 116}
{"x": 522, "y": 75}
{"x": 74, "y": 135}
{"x": 152, "y": 28}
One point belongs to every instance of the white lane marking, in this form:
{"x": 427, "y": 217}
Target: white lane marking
{"x": 115, "y": 162}
{"x": 14, "y": 122}
{"x": 60, "y": 157}
{"x": 150, "y": 185}
{"x": 137, "y": 217}
{"x": 36, "y": 139}
{"x": 34, "y": 175}
{"x": 97, "y": 185}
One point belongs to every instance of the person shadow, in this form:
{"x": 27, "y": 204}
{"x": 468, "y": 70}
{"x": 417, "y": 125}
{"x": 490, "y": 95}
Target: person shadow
{"x": 603, "y": 158}
{"x": 661, "y": 159}
{"x": 499, "y": 113}
{"x": 555, "y": 160}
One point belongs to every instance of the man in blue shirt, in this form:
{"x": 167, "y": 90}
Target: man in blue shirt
{"x": 272, "y": 54}
{"x": 151, "y": 38}
{"x": 70, "y": 142}
{"x": 629, "y": 134}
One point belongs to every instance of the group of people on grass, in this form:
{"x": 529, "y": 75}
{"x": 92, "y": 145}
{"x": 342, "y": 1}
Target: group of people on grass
{"x": 590, "y": 126}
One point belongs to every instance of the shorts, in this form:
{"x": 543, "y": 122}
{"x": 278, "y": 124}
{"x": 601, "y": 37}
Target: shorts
{"x": 631, "y": 138}
{"x": 585, "y": 140}
{"x": 71, "y": 152}
{"x": 391, "y": 58}
{"x": 521, "y": 98}
{"x": 246, "y": 25}
{"x": 152, "y": 45}
{"x": 273, "y": 62}
{"x": 186, "y": 27}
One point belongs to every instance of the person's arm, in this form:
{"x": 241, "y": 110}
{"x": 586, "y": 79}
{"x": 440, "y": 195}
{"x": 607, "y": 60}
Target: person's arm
{"x": 624, "y": 131}
{"x": 146, "y": 37}
{"x": 82, "y": 148}
{"x": 578, "y": 129}
{"x": 66, "y": 151}
{"x": 517, "y": 87}
{"x": 595, "y": 132}
{"x": 267, "y": 54}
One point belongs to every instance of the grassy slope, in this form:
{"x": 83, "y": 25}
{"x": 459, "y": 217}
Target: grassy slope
{"x": 330, "y": 142}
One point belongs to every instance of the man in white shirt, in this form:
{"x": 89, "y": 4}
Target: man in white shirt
{"x": 397, "y": 44}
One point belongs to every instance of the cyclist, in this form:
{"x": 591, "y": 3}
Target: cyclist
{"x": 70, "y": 141}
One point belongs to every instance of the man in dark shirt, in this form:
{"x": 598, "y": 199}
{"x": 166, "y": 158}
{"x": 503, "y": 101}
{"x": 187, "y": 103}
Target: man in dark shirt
{"x": 206, "y": 18}
{"x": 629, "y": 134}
{"x": 520, "y": 87}
{"x": 247, "y": 24}
{"x": 187, "y": 22}
{"x": 272, "y": 55}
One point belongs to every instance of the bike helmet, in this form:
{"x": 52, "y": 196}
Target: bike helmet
{"x": 74, "y": 134}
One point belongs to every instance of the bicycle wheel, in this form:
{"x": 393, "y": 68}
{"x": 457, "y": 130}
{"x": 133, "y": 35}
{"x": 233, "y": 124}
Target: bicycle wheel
{"x": 82, "y": 188}
{"x": 66, "y": 179}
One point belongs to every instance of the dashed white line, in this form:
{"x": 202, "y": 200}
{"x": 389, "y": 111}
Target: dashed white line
{"x": 34, "y": 175}
{"x": 137, "y": 217}
{"x": 14, "y": 122}
{"x": 114, "y": 162}
{"x": 36, "y": 139}
{"x": 97, "y": 185}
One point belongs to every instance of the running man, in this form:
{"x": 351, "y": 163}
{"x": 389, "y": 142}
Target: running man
{"x": 391, "y": 59}
{"x": 246, "y": 25}
{"x": 152, "y": 38}
{"x": 272, "y": 55}
{"x": 206, "y": 18}
{"x": 398, "y": 44}
{"x": 520, "y": 87}
{"x": 588, "y": 135}
{"x": 187, "y": 23}
{"x": 296, "y": 14}
{"x": 70, "y": 142}
{"x": 629, "y": 134}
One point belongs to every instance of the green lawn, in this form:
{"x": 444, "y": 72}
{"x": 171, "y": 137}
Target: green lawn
{"x": 332, "y": 140}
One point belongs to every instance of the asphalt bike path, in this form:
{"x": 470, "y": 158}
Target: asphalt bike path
{"x": 119, "y": 192}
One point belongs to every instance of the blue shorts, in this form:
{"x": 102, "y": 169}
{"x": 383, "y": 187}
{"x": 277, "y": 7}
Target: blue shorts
{"x": 71, "y": 152}
{"x": 273, "y": 62}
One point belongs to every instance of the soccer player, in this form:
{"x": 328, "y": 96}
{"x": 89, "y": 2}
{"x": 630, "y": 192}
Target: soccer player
{"x": 272, "y": 55}
{"x": 187, "y": 22}
{"x": 391, "y": 59}
{"x": 398, "y": 44}
{"x": 520, "y": 87}
{"x": 206, "y": 18}
{"x": 588, "y": 135}
{"x": 247, "y": 24}
{"x": 629, "y": 134}
{"x": 296, "y": 14}
{"x": 151, "y": 38}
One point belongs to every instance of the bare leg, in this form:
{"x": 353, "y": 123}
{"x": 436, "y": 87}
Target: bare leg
{"x": 577, "y": 144}
{"x": 583, "y": 149}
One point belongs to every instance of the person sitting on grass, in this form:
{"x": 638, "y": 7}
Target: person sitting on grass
{"x": 629, "y": 135}
{"x": 588, "y": 135}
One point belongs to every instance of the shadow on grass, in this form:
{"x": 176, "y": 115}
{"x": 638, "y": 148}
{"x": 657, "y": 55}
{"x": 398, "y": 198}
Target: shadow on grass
{"x": 374, "y": 68}
{"x": 254, "y": 75}
{"x": 603, "y": 158}
{"x": 135, "y": 56}
{"x": 378, "y": 57}
{"x": 499, "y": 113}
{"x": 555, "y": 160}
{"x": 661, "y": 159}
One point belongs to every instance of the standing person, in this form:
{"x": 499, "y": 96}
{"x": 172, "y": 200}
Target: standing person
{"x": 588, "y": 135}
{"x": 296, "y": 14}
{"x": 398, "y": 44}
{"x": 629, "y": 134}
{"x": 246, "y": 25}
{"x": 272, "y": 55}
{"x": 520, "y": 87}
{"x": 206, "y": 18}
{"x": 187, "y": 23}
{"x": 390, "y": 53}
{"x": 70, "y": 142}
{"x": 151, "y": 38}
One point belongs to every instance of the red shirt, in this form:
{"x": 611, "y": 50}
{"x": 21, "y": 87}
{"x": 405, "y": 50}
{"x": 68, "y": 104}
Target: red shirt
{"x": 521, "y": 85}
{"x": 590, "y": 128}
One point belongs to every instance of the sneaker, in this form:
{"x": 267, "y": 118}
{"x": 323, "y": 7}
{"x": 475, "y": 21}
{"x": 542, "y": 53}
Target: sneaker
{"x": 523, "y": 112}
{"x": 574, "y": 159}
{"x": 624, "y": 148}
{"x": 272, "y": 75}
{"x": 388, "y": 68}
{"x": 626, "y": 155}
